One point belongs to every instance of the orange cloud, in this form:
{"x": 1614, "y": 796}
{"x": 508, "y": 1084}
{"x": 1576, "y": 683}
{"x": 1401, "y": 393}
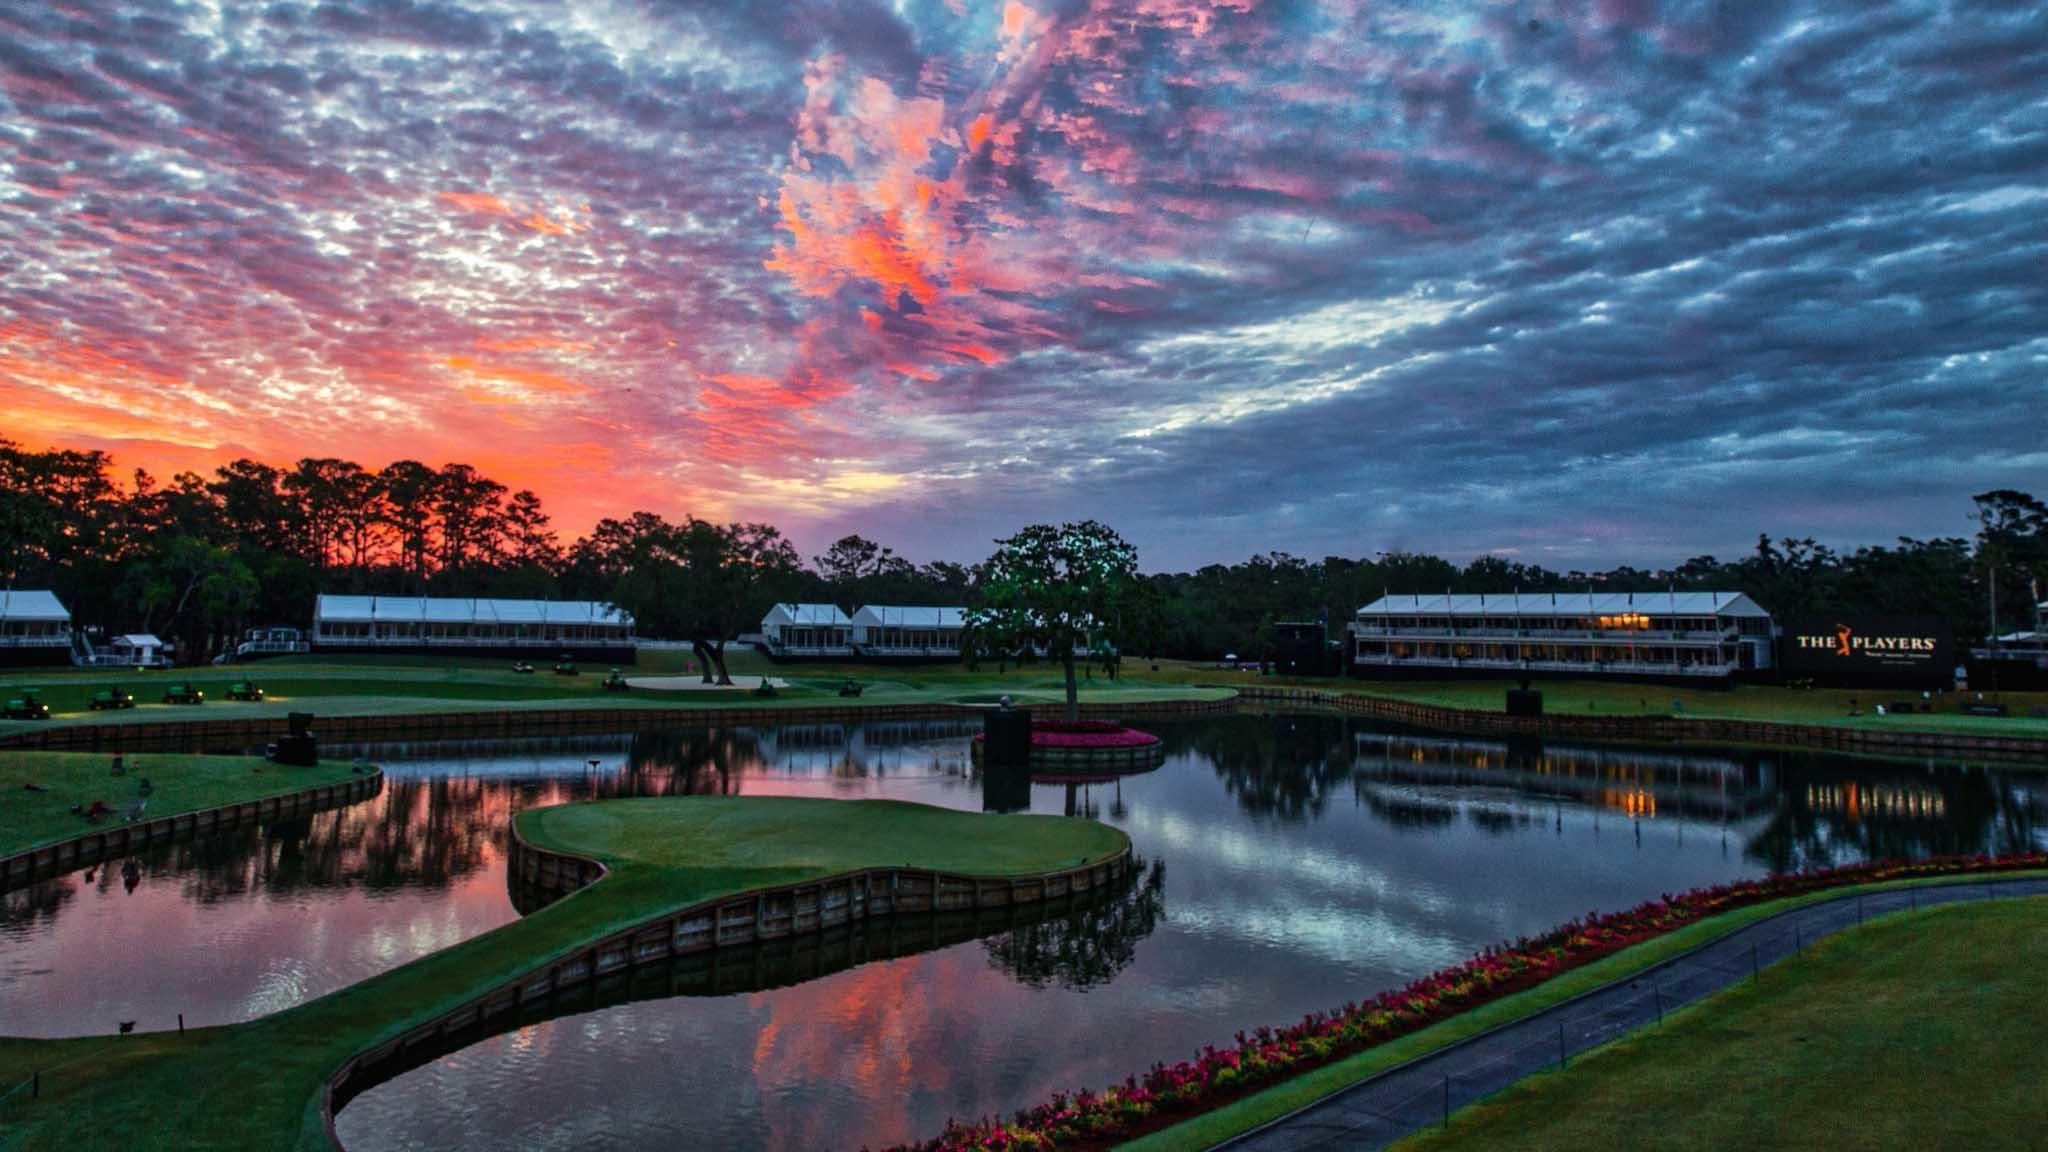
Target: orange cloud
{"x": 529, "y": 379}
{"x": 482, "y": 202}
{"x": 535, "y": 220}
{"x": 531, "y": 344}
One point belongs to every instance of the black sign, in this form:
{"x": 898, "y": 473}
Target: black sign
{"x": 1873, "y": 651}
{"x": 1300, "y": 650}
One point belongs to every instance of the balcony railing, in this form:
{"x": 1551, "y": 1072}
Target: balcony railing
{"x": 909, "y": 649}
{"x": 809, "y": 649}
{"x": 58, "y": 641}
{"x": 110, "y": 660}
{"x": 1659, "y": 668}
{"x": 1539, "y": 635}
{"x": 326, "y": 641}
{"x": 272, "y": 647}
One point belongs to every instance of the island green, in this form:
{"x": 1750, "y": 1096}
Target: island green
{"x": 259, "y": 1085}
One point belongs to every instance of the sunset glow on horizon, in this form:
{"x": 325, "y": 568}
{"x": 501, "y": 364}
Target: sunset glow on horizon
{"x": 1529, "y": 277}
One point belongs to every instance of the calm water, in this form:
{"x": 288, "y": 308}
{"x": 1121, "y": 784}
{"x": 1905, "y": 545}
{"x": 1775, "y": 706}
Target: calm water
{"x": 1304, "y": 862}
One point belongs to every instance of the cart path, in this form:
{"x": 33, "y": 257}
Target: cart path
{"x": 1410, "y": 1097}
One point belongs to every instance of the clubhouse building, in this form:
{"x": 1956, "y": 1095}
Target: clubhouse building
{"x": 1693, "y": 637}
{"x": 584, "y": 629}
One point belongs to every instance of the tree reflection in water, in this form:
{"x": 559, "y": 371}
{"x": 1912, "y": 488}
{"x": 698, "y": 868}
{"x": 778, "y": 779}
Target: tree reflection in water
{"x": 1281, "y": 766}
{"x": 1088, "y": 946}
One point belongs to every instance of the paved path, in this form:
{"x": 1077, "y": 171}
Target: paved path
{"x": 1419, "y": 1094}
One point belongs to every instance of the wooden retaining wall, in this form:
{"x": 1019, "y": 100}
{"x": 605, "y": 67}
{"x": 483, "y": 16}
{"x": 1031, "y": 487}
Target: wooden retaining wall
{"x": 1659, "y": 729}
{"x": 255, "y": 731}
{"x": 120, "y": 840}
{"x": 743, "y": 919}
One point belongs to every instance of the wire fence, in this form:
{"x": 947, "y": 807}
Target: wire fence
{"x": 1428, "y": 1091}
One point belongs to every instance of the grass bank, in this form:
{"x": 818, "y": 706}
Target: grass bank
{"x": 398, "y": 685}
{"x": 258, "y": 1085}
{"x": 1916, "y": 1031}
{"x": 1765, "y": 703}
{"x": 1211, "y": 1128}
{"x": 40, "y": 789}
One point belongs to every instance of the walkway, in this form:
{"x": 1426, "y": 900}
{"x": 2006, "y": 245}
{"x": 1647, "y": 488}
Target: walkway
{"x": 1421, "y": 1093}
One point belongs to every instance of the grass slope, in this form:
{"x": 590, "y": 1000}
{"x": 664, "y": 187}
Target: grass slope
{"x": 1917, "y": 1031}
{"x": 181, "y": 784}
{"x": 1750, "y": 702}
{"x": 258, "y": 1085}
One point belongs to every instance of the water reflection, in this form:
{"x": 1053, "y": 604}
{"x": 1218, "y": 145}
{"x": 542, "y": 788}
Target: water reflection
{"x": 1313, "y": 860}
{"x": 1076, "y": 941}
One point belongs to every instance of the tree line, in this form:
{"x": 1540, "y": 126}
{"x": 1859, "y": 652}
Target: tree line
{"x": 199, "y": 558}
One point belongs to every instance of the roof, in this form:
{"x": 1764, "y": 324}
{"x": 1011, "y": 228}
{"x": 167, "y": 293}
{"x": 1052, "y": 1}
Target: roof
{"x": 447, "y": 610}
{"x": 909, "y": 616}
{"x": 138, "y": 640}
{"x": 1569, "y": 603}
{"x": 805, "y": 614}
{"x": 31, "y": 605}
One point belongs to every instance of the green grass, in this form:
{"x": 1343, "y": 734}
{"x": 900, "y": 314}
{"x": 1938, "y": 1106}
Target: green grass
{"x": 382, "y": 685}
{"x": 1917, "y": 1031}
{"x": 391, "y": 685}
{"x": 1767, "y": 703}
{"x": 180, "y": 783}
{"x": 1210, "y": 1128}
{"x": 257, "y": 1085}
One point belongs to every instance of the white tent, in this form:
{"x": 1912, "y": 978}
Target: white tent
{"x": 808, "y": 630}
{"x": 899, "y": 629}
{"x": 33, "y": 619}
{"x": 393, "y": 621}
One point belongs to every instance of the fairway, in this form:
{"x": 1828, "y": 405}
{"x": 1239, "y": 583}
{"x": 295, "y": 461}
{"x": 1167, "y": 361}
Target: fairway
{"x": 1920, "y": 1031}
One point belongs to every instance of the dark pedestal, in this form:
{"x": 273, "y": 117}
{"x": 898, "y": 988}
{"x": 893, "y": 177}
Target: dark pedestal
{"x": 1006, "y": 736}
{"x": 299, "y": 748}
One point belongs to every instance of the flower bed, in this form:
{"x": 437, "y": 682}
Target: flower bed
{"x": 1170, "y": 1093}
{"x": 1091, "y": 747}
{"x": 1088, "y": 734}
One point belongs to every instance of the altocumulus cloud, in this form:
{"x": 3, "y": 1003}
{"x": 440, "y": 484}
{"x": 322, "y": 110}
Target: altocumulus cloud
{"x": 1591, "y": 281}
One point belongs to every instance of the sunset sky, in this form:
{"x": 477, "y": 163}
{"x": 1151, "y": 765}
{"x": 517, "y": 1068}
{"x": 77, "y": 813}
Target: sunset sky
{"x": 1580, "y": 281}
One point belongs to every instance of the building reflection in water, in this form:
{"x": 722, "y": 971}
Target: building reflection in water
{"x": 1313, "y": 860}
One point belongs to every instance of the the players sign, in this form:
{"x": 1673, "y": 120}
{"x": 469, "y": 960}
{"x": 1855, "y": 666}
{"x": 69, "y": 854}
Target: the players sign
{"x": 1878, "y": 651}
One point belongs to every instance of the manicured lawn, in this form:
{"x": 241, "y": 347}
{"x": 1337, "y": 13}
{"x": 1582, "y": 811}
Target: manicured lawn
{"x": 361, "y": 685}
{"x": 1921, "y": 1031}
{"x": 180, "y": 783}
{"x": 386, "y": 685}
{"x": 1755, "y": 702}
{"x": 1210, "y": 1128}
{"x": 257, "y": 1085}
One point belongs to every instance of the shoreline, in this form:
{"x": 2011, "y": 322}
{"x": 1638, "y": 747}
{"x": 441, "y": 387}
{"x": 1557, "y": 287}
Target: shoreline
{"x": 731, "y": 920}
{"x": 458, "y": 723}
{"x": 43, "y": 861}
